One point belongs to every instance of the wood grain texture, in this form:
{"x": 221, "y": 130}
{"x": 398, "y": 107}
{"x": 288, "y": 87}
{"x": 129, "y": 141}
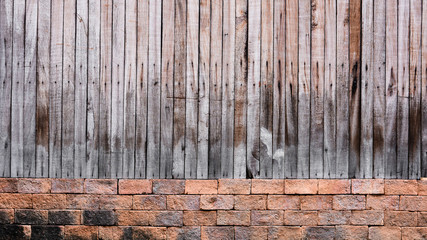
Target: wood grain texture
{"x": 424, "y": 93}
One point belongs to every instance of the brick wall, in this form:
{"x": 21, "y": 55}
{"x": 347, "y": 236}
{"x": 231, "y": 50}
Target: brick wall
{"x": 211, "y": 209}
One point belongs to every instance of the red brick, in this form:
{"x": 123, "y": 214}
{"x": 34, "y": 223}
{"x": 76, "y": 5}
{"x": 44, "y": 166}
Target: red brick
{"x": 284, "y": 233}
{"x": 367, "y": 186}
{"x": 233, "y": 218}
{"x": 401, "y": 187}
{"x": 250, "y": 233}
{"x": 114, "y": 232}
{"x": 67, "y": 185}
{"x": 413, "y": 203}
{"x": 381, "y": 202}
{"x": 201, "y": 187}
{"x": 348, "y": 202}
{"x": 216, "y": 202}
{"x": 422, "y": 219}
{"x": 168, "y": 186}
{"x": 334, "y": 186}
{"x": 158, "y": 233}
{"x": 267, "y": 217}
{"x": 216, "y": 233}
{"x": 149, "y": 202}
{"x": 334, "y": 217}
{"x": 7, "y": 216}
{"x": 134, "y": 218}
{"x": 8, "y": 185}
{"x": 49, "y": 201}
{"x": 389, "y": 233}
{"x": 15, "y": 200}
{"x": 283, "y": 202}
{"x": 400, "y": 218}
{"x": 367, "y": 217}
{"x": 352, "y": 232}
{"x": 250, "y": 202}
{"x": 34, "y": 185}
{"x": 135, "y": 186}
{"x": 199, "y": 218}
{"x": 268, "y": 186}
{"x": 301, "y": 218}
{"x": 414, "y": 233}
{"x": 101, "y": 186}
{"x": 115, "y": 202}
{"x": 316, "y": 202}
{"x": 81, "y": 201}
{"x": 301, "y": 186}
{"x": 167, "y": 218}
{"x": 81, "y": 232}
{"x": 183, "y": 202}
{"x": 422, "y": 187}
{"x": 181, "y": 233}
{"x": 234, "y": 186}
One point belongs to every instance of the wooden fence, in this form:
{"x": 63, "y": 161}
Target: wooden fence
{"x": 213, "y": 88}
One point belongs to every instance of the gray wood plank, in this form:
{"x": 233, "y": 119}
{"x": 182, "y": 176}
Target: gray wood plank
{"x": 424, "y": 93}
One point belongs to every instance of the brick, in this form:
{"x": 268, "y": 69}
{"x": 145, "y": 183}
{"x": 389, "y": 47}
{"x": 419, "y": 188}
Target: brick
{"x": 400, "y": 187}
{"x": 12, "y": 232}
{"x": 64, "y": 217}
{"x": 348, "y": 202}
{"x": 250, "y": 202}
{"x": 333, "y": 217}
{"x": 135, "y": 186}
{"x": 233, "y": 218}
{"x": 413, "y": 203}
{"x": 216, "y": 202}
{"x": 199, "y": 218}
{"x": 134, "y": 218}
{"x": 382, "y": 202}
{"x": 284, "y": 233}
{"x": 268, "y": 186}
{"x": 114, "y": 232}
{"x": 115, "y": 202}
{"x": 316, "y": 202}
{"x": 7, "y": 216}
{"x": 389, "y": 233}
{"x": 215, "y": 233}
{"x": 318, "y": 232}
{"x": 334, "y": 186}
{"x": 201, "y": 187}
{"x": 49, "y": 201}
{"x": 8, "y": 185}
{"x": 414, "y": 233}
{"x": 67, "y": 185}
{"x": 422, "y": 187}
{"x": 168, "y": 186}
{"x": 80, "y": 201}
{"x": 99, "y": 217}
{"x": 234, "y": 186}
{"x": 284, "y": 202}
{"x": 34, "y": 185}
{"x": 158, "y": 233}
{"x": 367, "y": 186}
{"x": 250, "y": 233}
{"x": 187, "y": 233}
{"x": 149, "y": 202}
{"x": 15, "y": 200}
{"x": 422, "y": 219}
{"x": 183, "y": 202}
{"x": 167, "y": 218}
{"x": 301, "y": 218}
{"x": 47, "y": 232}
{"x": 267, "y": 217}
{"x": 81, "y": 232}
{"x": 32, "y": 217}
{"x": 101, "y": 186}
{"x": 301, "y": 186}
{"x": 352, "y": 232}
{"x": 367, "y": 217}
{"x": 400, "y": 218}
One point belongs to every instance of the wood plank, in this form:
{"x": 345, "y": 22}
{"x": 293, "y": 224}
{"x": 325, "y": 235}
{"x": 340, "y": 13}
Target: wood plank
{"x": 279, "y": 115}
{"x": 317, "y": 88}
{"x": 6, "y": 33}
{"x": 191, "y": 100}
{"x": 153, "y": 112}
{"x": 403, "y": 89}
{"x": 291, "y": 88}
{"x": 117, "y": 88}
{"x": 254, "y": 81}
{"x": 304, "y": 85}
{"x": 424, "y": 93}
{"x": 215, "y": 107}
{"x": 130, "y": 89}
{"x": 266, "y": 100}
{"x": 415, "y": 71}
{"x": 93, "y": 87}
{"x": 80, "y": 88}
{"x": 367, "y": 97}
{"x": 378, "y": 68}
{"x": 204, "y": 86}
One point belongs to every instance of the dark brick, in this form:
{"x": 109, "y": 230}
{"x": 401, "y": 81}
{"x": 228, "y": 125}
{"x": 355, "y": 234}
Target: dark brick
{"x": 184, "y": 233}
{"x": 14, "y": 232}
{"x": 99, "y": 218}
{"x": 168, "y": 218}
{"x": 319, "y": 233}
{"x": 64, "y": 217}
{"x": 47, "y": 232}
{"x": 33, "y": 217}
{"x": 6, "y": 216}
{"x": 149, "y": 233}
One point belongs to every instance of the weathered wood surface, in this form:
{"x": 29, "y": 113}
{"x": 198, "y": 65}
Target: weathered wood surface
{"x": 213, "y": 89}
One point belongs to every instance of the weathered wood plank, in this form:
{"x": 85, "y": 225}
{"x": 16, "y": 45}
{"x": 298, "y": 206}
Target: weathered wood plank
{"x": 424, "y": 93}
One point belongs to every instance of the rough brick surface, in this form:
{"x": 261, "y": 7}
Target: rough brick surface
{"x": 233, "y": 218}
{"x": 115, "y": 202}
{"x": 250, "y": 202}
{"x": 267, "y": 217}
{"x": 413, "y": 203}
{"x": 250, "y": 233}
{"x": 187, "y": 233}
{"x": 234, "y": 186}
{"x": 400, "y": 218}
{"x": 101, "y": 186}
{"x": 349, "y": 202}
{"x": 334, "y": 186}
{"x": 264, "y": 186}
{"x": 301, "y": 218}
{"x": 352, "y": 232}
{"x": 382, "y": 202}
{"x": 32, "y": 217}
{"x": 164, "y": 186}
{"x": 132, "y": 186}
{"x": 49, "y": 201}
{"x": 414, "y": 233}
{"x": 99, "y": 218}
{"x": 159, "y": 233}
{"x": 15, "y": 201}
{"x": 297, "y": 186}
{"x": 201, "y": 186}
{"x": 367, "y": 217}
{"x": 215, "y": 233}
{"x": 200, "y": 218}
{"x": 422, "y": 219}
{"x": 367, "y": 186}
{"x": 183, "y": 202}
{"x": 79, "y": 201}
{"x": 81, "y": 232}
{"x": 216, "y": 202}
{"x": 334, "y": 217}
{"x": 282, "y": 232}
{"x": 283, "y": 202}
{"x": 422, "y": 187}
{"x": 67, "y": 185}
{"x": 318, "y": 232}
{"x": 8, "y": 185}
{"x": 64, "y": 217}
{"x": 47, "y": 232}
{"x": 391, "y": 233}
{"x": 316, "y": 202}
{"x": 115, "y": 232}
{"x": 401, "y": 187}
{"x": 34, "y": 185}
{"x": 149, "y": 202}
{"x": 7, "y": 216}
